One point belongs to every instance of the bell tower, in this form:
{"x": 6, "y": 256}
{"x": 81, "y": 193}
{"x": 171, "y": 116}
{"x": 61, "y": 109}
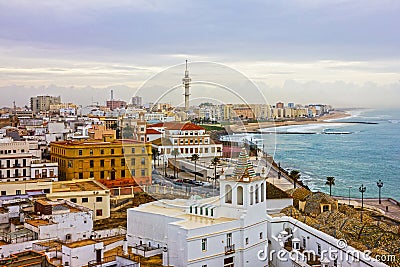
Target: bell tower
{"x": 244, "y": 189}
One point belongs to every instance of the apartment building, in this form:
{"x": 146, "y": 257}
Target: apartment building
{"x": 109, "y": 160}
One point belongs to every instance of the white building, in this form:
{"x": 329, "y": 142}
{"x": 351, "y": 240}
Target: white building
{"x": 44, "y": 170}
{"x": 15, "y": 160}
{"x": 233, "y": 229}
{"x": 62, "y": 219}
{"x": 187, "y": 138}
{"x": 224, "y": 231}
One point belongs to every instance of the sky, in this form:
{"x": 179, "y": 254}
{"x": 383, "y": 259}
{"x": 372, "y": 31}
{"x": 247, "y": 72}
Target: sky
{"x": 344, "y": 53}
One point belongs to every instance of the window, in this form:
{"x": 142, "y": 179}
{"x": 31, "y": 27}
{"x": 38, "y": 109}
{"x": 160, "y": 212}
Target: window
{"x": 257, "y": 195}
{"x": 99, "y": 199}
{"x": 246, "y": 241}
{"x": 46, "y": 191}
{"x": 143, "y": 172}
{"x": 143, "y": 161}
{"x": 102, "y": 174}
{"x": 102, "y": 163}
{"x": 91, "y": 174}
{"x": 228, "y": 194}
{"x": 229, "y": 239}
{"x": 239, "y": 195}
{"x": 3, "y": 193}
{"x": 251, "y": 195}
{"x": 261, "y": 235}
{"x": 133, "y": 162}
{"x": 99, "y": 212}
{"x": 18, "y": 192}
{"x": 80, "y": 175}
{"x": 73, "y": 200}
{"x": 102, "y": 151}
{"x": 91, "y": 152}
{"x": 318, "y": 249}
{"x": 204, "y": 244}
{"x": 304, "y": 242}
{"x": 68, "y": 237}
{"x": 122, "y": 162}
{"x": 143, "y": 150}
{"x": 112, "y": 162}
{"x": 325, "y": 208}
{"x": 122, "y": 173}
{"x": 133, "y": 150}
{"x": 91, "y": 163}
{"x": 80, "y": 152}
{"x": 112, "y": 150}
{"x": 85, "y": 200}
{"x": 133, "y": 173}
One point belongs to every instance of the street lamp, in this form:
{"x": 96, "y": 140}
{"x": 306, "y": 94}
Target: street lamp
{"x": 349, "y": 187}
{"x": 362, "y": 190}
{"x": 380, "y": 185}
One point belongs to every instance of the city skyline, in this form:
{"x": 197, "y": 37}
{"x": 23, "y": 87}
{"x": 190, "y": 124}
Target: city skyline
{"x": 343, "y": 53}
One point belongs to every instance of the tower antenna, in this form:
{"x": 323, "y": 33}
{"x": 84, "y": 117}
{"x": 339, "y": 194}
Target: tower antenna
{"x": 186, "y": 83}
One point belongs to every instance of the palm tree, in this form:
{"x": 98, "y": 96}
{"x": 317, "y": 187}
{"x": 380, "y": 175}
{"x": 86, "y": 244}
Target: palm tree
{"x": 295, "y": 175}
{"x": 175, "y": 153}
{"x": 215, "y": 161}
{"x": 330, "y": 180}
{"x": 195, "y": 158}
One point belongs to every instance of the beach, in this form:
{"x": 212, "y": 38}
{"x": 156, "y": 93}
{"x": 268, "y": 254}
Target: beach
{"x": 255, "y": 127}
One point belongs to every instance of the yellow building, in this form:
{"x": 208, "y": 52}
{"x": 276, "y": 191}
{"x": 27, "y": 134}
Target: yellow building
{"x": 102, "y": 160}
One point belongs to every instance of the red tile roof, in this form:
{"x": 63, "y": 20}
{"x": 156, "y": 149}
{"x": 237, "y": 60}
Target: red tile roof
{"x": 183, "y": 126}
{"x": 152, "y": 131}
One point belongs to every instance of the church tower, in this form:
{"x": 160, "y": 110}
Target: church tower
{"x": 243, "y": 190}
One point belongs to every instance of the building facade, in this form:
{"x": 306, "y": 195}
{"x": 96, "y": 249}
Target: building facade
{"x": 186, "y": 138}
{"x": 42, "y": 103}
{"x": 103, "y": 160}
{"x": 15, "y": 160}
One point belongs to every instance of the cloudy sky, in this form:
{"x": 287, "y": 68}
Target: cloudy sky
{"x": 345, "y": 53}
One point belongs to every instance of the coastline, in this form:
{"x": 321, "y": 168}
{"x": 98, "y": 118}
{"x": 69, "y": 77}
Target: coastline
{"x": 256, "y": 127}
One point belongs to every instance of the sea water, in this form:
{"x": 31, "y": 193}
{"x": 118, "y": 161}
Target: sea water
{"x": 354, "y": 153}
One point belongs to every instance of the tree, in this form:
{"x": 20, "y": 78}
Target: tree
{"x": 215, "y": 161}
{"x": 330, "y": 180}
{"x": 175, "y": 153}
{"x": 295, "y": 175}
{"x": 195, "y": 158}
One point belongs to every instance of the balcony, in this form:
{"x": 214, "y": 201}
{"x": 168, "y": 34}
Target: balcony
{"x": 230, "y": 249}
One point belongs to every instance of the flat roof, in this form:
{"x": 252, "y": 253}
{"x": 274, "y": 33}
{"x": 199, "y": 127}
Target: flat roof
{"x": 97, "y": 142}
{"x": 80, "y": 243}
{"x": 38, "y": 222}
{"x": 176, "y": 209}
{"x": 77, "y": 186}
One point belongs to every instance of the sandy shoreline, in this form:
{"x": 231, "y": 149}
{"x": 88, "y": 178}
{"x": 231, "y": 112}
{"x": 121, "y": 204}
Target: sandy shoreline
{"x": 254, "y": 127}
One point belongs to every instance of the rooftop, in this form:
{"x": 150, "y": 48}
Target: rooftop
{"x": 77, "y": 186}
{"x": 80, "y": 243}
{"x": 96, "y": 142}
{"x": 38, "y": 222}
{"x": 183, "y": 126}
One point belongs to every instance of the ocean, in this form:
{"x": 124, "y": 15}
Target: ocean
{"x": 353, "y": 153}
